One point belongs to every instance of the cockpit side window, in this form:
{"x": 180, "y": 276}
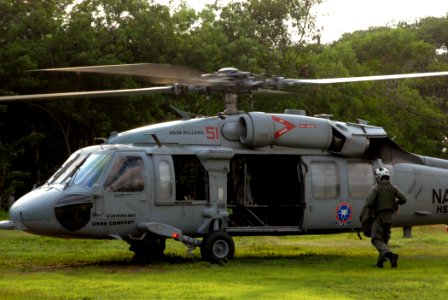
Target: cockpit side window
{"x": 91, "y": 169}
{"x": 126, "y": 175}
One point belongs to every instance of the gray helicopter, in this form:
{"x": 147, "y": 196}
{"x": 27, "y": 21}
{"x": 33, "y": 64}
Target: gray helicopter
{"x": 202, "y": 180}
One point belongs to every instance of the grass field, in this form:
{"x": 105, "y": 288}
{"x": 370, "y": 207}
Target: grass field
{"x": 300, "y": 267}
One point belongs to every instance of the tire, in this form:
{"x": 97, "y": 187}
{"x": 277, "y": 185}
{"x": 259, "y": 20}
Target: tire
{"x": 217, "y": 247}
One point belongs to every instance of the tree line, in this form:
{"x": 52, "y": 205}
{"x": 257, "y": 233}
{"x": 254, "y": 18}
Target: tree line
{"x": 262, "y": 36}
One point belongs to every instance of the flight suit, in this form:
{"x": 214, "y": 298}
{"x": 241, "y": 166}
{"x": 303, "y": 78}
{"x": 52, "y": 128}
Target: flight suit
{"x": 384, "y": 199}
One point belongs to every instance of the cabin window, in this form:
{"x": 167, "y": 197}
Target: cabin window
{"x": 360, "y": 179}
{"x": 325, "y": 179}
{"x": 165, "y": 180}
{"x": 191, "y": 178}
{"x": 126, "y": 175}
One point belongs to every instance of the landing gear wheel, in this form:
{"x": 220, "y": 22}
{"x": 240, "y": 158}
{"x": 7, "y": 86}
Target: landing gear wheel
{"x": 217, "y": 247}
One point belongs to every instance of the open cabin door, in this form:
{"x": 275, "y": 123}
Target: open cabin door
{"x": 265, "y": 191}
{"x": 335, "y": 192}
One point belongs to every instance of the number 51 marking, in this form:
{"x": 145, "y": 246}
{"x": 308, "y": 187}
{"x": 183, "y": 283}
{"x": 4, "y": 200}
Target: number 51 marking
{"x": 212, "y": 133}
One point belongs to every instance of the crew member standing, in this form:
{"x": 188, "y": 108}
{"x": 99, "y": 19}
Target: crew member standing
{"x": 383, "y": 200}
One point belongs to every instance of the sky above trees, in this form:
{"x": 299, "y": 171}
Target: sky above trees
{"x": 337, "y": 17}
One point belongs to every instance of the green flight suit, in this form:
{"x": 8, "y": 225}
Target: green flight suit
{"x": 383, "y": 199}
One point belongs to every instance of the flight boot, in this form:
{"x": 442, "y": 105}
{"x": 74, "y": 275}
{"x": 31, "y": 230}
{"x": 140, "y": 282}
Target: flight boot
{"x": 380, "y": 262}
{"x": 393, "y": 258}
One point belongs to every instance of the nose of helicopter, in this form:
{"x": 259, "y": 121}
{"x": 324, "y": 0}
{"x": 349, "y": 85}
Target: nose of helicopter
{"x": 34, "y": 212}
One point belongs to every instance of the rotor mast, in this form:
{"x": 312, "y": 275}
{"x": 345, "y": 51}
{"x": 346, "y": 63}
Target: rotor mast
{"x": 230, "y": 103}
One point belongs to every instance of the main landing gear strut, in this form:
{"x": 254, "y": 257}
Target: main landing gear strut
{"x": 216, "y": 247}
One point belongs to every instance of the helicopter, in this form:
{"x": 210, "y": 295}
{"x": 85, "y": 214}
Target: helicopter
{"x": 203, "y": 180}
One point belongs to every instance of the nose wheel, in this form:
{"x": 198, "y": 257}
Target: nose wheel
{"x": 217, "y": 247}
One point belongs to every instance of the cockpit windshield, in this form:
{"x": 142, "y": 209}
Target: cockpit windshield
{"x": 65, "y": 173}
{"x": 91, "y": 170}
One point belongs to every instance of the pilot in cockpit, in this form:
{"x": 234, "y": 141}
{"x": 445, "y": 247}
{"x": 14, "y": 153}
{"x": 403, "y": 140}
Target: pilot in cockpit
{"x": 126, "y": 175}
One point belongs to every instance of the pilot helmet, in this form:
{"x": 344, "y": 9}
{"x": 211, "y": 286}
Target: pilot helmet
{"x": 381, "y": 173}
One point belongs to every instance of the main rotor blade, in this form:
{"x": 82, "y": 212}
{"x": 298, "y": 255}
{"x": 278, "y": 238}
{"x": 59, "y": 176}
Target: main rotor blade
{"x": 291, "y": 81}
{"x": 155, "y": 73}
{"x": 91, "y": 94}
{"x": 267, "y": 91}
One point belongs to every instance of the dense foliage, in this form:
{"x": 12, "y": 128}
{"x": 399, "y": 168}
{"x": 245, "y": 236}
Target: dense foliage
{"x": 262, "y": 36}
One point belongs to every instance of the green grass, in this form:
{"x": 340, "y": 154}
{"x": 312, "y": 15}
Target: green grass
{"x": 299, "y": 267}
